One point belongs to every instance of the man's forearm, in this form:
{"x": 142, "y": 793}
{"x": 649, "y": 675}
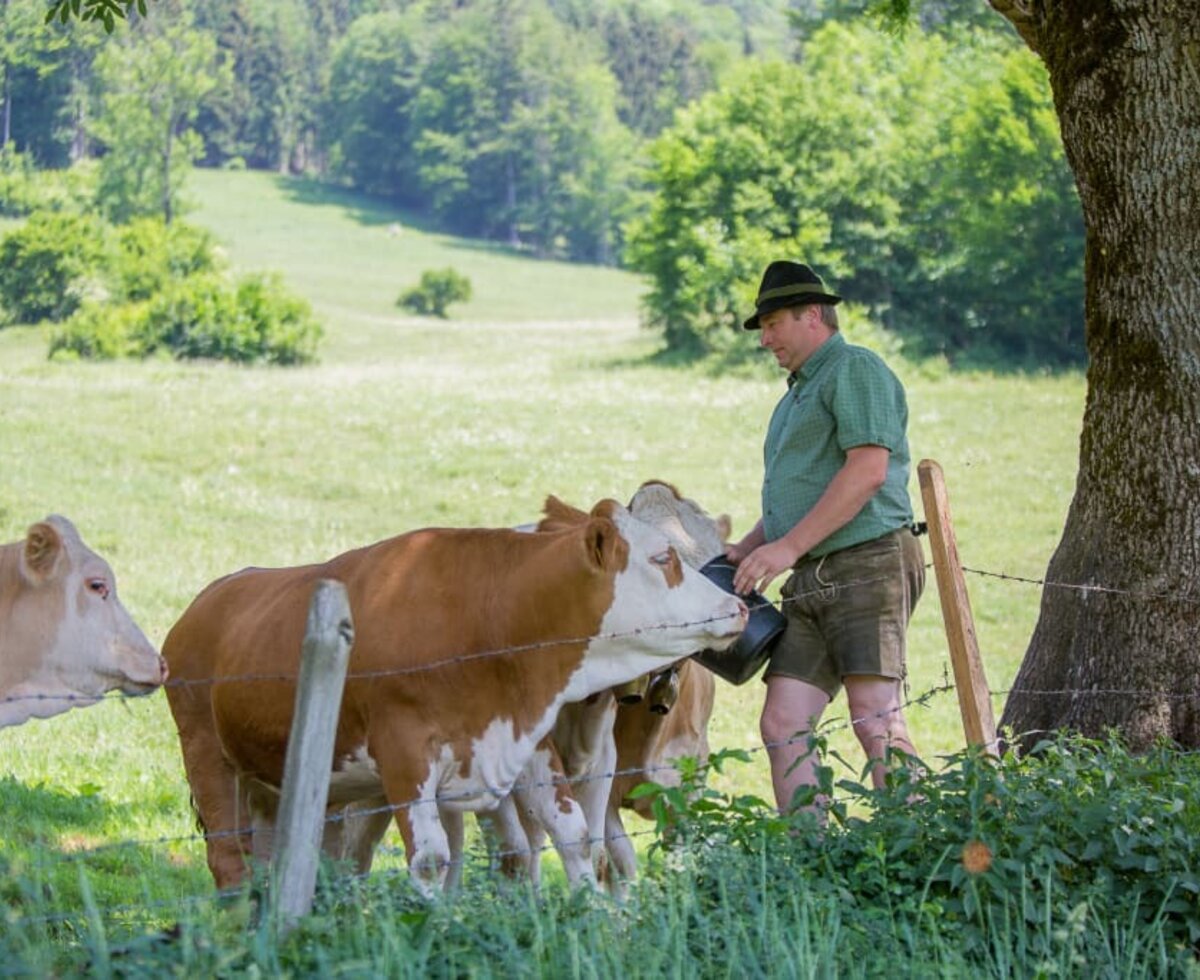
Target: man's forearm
{"x": 848, "y": 492}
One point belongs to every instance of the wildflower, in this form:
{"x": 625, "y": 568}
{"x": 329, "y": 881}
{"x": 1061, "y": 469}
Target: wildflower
{"x": 976, "y": 857}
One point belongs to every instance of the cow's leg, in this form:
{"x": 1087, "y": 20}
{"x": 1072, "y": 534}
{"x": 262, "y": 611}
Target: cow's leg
{"x": 356, "y": 834}
{"x": 585, "y": 740}
{"x": 508, "y": 840}
{"x": 452, "y": 821}
{"x": 413, "y": 795}
{"x": 220, "y": 806}
{"x": 544, "y": 796}
{"x": 592, "y": 787}
{"x": 622, "y": 858}
{"x": 262, "y": 839}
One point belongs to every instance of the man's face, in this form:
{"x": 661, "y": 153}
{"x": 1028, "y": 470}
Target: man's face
{"x": 792, "y": 335}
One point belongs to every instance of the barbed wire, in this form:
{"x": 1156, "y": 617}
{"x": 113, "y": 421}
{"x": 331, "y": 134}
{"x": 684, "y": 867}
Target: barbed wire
{"x": 1084, "y": 587}
{"x": 460, "y": 659}
{"x": 559, "y": 780}
{"x": 554, "y": 782}
{"x": 454, "y": 661}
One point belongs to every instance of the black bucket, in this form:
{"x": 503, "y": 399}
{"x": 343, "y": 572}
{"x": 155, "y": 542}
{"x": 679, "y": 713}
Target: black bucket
{"x": 753, "y": 648}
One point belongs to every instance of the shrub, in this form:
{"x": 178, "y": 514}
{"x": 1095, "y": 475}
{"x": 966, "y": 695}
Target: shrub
{"x": 437, "y": 289}
{"x": 100, "y": 331}
{"x": 256, "y": 319}
{"x": 47, "y": 263}
{"x": 1076, "y": 825}
{"x": 17, "y": 193}
{"x": 25, "y": 189}
{"x": 152, "y": 253}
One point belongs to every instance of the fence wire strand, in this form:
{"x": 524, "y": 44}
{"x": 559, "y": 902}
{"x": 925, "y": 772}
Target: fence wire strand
{"x": 493, "y": 856}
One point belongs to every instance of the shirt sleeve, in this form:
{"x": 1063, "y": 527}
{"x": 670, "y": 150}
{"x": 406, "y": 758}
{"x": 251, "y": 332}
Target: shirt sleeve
{"x": 868, "y": 403}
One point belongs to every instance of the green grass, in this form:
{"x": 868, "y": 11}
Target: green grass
{"x": 543, "y": 383}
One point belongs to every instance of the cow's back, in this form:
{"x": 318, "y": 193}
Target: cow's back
{"x": 433, "y": 612}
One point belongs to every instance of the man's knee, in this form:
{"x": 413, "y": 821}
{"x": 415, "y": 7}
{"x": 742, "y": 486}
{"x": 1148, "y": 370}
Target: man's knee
{"x": 875, "y": 712}
{"x": 775, "y": 727}
{"x": 791, "y": 710}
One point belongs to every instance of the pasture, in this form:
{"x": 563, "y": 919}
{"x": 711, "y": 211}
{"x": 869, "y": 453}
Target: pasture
{"x": 542, "y": 383}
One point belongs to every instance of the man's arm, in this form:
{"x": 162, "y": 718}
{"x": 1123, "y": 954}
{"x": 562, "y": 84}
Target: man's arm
{"x": 752, "y": 539}
{"x": 852, "y": 486}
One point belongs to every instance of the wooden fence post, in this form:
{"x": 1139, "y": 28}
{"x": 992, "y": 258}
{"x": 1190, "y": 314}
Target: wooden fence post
{"x": 328, "y": 636}
{"x": 974, "y": 696}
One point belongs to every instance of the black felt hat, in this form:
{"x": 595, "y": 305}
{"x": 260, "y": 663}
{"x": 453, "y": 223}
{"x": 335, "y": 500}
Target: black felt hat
{"x": 789, "y": 284}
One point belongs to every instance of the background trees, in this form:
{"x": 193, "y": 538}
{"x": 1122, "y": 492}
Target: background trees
{"x": 691, "y": 141}
{"x": 152, "y": 86}
{"x": 924, "y": 176}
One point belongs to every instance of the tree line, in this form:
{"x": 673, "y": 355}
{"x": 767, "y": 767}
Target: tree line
{"x": 688, "y": 140}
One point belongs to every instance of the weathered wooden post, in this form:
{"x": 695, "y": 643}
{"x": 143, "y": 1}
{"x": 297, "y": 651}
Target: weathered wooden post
{"x": 974, "y": 696}
{"x": 326, "y": 652}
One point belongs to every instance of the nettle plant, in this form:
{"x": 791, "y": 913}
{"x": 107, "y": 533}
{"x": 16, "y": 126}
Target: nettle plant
{"x": 1075, "y": 825}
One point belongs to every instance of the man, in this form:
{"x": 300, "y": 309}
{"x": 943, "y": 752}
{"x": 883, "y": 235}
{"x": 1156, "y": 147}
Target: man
{"x": 836, "y": 512}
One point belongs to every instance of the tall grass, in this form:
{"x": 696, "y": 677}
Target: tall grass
{"x": 543, "y": 383}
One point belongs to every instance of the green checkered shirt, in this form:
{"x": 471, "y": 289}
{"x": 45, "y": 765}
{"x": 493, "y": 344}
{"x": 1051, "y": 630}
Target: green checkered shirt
{"x": 843, "y": 396}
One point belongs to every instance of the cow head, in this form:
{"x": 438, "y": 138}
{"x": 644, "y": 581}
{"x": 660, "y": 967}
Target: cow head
{"x": 65, "y": 638}
{"x": 696, "y": 536}
{"x": 662, "y": 609}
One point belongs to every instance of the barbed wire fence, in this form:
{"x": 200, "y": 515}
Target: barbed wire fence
{"x": 149, "y": 910}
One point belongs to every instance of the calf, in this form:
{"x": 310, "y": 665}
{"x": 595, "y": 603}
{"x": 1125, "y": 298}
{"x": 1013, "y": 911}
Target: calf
{"x": 467, "y": 644}
{"x": 65, "y": 638}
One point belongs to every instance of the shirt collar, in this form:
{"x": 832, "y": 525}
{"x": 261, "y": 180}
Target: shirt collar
{"x": 825, "y": 352}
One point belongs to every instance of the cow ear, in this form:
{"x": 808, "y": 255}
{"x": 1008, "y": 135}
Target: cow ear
{"x": 724, "y": 527}
{"x": 43, "y": 546}
{"x": 559, "y": 515}
{"x": 601, "y": 541}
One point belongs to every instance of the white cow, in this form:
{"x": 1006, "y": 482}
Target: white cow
{"x": 65, "y": 638}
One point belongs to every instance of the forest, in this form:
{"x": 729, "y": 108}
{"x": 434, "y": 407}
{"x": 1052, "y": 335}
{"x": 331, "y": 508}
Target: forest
{"x": 920, "y": 169}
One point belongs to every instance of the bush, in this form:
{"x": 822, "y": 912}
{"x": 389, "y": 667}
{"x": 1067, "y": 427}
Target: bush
{"x": 255, "y": 320}
{"x": 204, "y": 316}
{"x": 152, "y": 253}
{"x": 1076, "y": 828}
{"x": 100, "y": 331}
{"x": 47, "y": 264}
{"x": 25, "y": 189}
{"x": 17, "y": 193}
{"x": 437, "y": 289}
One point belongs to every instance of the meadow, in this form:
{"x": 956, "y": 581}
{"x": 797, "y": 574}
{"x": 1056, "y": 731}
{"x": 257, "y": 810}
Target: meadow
{"x": 542, "y": 383}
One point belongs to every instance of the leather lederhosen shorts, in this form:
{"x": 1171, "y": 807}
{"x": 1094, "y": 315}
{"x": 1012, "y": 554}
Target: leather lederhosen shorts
{"x": 848, "y": 611}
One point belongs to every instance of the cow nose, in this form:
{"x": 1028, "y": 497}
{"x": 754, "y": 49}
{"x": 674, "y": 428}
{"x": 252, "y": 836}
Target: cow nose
{"x": 163, "y": 672}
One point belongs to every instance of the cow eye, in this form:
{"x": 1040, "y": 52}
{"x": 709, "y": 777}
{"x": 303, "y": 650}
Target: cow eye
{"x": 99, "y": 586}
{"x": 662, "y": 558}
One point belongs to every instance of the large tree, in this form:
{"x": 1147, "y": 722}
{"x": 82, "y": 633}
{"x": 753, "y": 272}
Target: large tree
{"x": 1118, "y": 638}
{"x": 152, "y": 85}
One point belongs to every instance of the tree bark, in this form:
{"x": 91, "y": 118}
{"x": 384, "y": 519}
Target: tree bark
{"x": 1117, "y": 643}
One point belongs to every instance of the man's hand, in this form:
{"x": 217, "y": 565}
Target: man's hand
{"x": 757, "y": 570}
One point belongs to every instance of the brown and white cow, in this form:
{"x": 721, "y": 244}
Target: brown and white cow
{"x": 65, "y": 638}
{"x": 594, "y": 740}
{"x": 467, "y": 644}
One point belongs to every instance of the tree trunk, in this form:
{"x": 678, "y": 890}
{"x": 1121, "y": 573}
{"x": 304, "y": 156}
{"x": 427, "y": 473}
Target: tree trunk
{"x": 4, "y": 138}
{"x": 166, "y": 175}
{"x": 1117, "y": 643}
